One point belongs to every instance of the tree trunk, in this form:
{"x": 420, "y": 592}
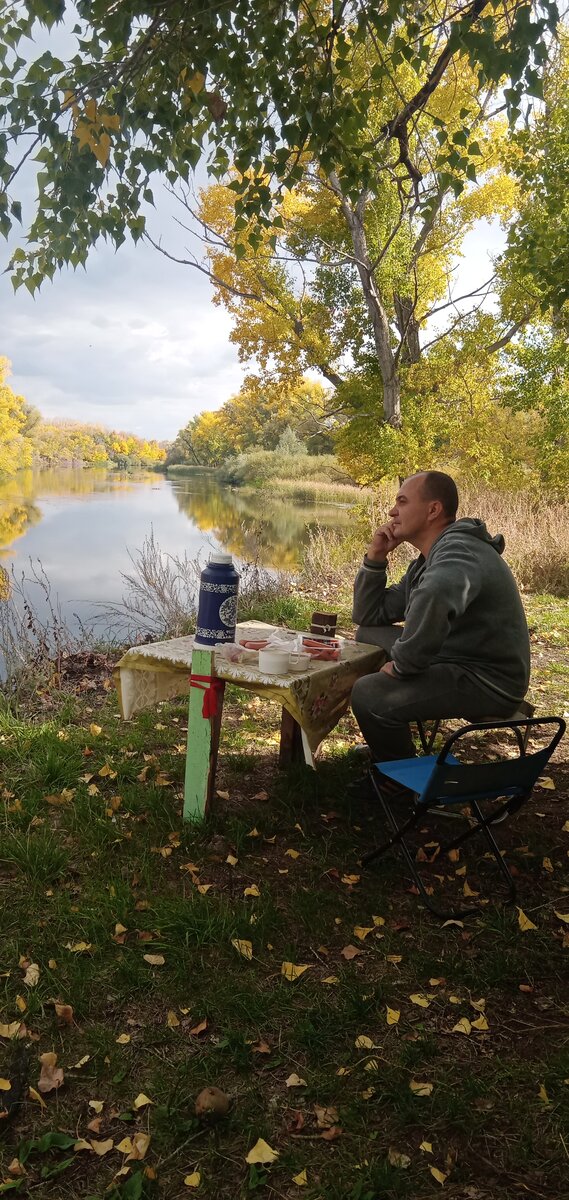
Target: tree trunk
{"x": 378, "y": 316}
{"x": 408, "y": 327}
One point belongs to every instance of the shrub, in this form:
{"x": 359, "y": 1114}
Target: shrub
{"x": 259, "y": 466}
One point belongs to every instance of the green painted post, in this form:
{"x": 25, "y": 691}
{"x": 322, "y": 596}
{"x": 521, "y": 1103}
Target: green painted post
{"x": 203, "y": 741}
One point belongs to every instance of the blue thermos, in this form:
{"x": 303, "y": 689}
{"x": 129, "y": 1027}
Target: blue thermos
{"x": 217, "y": 605}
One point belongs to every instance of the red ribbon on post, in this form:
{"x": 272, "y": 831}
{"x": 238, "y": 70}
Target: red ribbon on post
{"x": 211, "y": 689}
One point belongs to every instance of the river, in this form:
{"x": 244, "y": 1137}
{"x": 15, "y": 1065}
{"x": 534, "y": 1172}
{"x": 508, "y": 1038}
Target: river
{"x": 83, "y": 526}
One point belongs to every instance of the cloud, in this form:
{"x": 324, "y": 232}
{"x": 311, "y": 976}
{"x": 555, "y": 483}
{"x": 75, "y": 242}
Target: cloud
{"x": 133, "y": 342}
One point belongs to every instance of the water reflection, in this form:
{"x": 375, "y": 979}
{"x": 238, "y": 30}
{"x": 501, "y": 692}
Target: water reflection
{"x": 85, "y": 527}
{"x": 17, "y": 510}
{"x": 250, "y": 526}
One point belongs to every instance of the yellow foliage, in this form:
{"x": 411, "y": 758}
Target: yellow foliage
{"x": 15, "y": 448}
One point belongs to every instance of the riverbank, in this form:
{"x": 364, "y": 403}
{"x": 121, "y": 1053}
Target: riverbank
{"x": 367, "y": 1073}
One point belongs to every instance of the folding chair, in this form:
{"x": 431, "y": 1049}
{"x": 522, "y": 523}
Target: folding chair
{"x": 444, "y": 780}
{"x": 427, "y": 736}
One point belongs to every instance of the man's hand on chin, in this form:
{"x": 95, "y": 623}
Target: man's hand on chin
{"x": 388, "y": 669}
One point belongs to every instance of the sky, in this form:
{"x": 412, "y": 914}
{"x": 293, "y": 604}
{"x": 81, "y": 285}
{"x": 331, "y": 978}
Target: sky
{"x": 135, "y": 342}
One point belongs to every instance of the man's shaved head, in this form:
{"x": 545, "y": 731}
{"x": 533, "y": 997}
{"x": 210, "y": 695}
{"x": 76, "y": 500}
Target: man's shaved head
{"x": 438, "y": 486}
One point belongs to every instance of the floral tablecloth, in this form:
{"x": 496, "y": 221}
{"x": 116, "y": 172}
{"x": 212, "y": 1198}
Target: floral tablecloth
{"x": 317, "y": 698}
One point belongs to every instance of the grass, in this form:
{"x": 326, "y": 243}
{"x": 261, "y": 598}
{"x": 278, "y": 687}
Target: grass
{"x": 104, "y": 861}
{"x": 314, "y": 491}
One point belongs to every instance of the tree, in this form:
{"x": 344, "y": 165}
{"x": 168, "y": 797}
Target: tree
{"x": 257, "y": 416}
{"x": 290, "y": 443}
{"x": 15, "y": 447}
{"x": 538, "y": 243}
{"x": 259, "y": 85}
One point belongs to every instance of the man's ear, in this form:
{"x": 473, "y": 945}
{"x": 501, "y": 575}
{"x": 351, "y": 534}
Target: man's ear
{"x": 435, "y": 510}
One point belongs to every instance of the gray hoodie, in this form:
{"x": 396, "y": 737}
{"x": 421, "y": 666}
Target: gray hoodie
{"x": 460, "y": 605}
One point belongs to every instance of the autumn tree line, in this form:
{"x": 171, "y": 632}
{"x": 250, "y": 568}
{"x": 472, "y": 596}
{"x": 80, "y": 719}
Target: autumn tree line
{"x": 27, "y": 440}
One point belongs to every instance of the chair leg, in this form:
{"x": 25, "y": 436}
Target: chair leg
{"x": 484, "y": 828}
{"x": 427, "y": 737}
{"x": 398, "y": 839}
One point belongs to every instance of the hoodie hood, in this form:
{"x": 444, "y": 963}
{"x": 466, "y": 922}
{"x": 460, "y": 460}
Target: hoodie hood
{"x": 473, "y": 527}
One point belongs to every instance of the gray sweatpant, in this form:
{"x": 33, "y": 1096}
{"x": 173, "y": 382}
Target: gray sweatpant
{"x": 384, "y": 705}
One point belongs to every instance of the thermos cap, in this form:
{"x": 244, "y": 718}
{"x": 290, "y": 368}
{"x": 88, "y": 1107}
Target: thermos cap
{"x": 221, "y": 558}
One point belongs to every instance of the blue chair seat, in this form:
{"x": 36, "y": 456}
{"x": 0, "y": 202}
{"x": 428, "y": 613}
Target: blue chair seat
{"x": 413, "y": 773}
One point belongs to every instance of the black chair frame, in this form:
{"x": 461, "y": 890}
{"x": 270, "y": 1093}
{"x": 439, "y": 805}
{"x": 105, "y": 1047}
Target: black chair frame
{"x": 435, "y": 794}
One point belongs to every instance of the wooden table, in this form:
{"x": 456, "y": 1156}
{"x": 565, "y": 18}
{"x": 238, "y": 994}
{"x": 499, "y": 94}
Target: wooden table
{"x": 312, "y": 702}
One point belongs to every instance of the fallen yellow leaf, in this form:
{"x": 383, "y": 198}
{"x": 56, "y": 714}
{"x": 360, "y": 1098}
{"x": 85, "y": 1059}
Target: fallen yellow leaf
{"x": 232, "y": 860}
{"x": 172, "y": 1020}
{"x": 372, "y": 1064}
{"x": 291, "y": 971}
{"x": 123, "y": 1039}
{"x": 295, "y": 1081}
{"x": 5, "y": 1085}
{"x": 292, "y": 854}
{"x": 466, "y": 891}
{"x": 141, "y": 1101}
{"x": 300, "y": 1179}
{"x": 438, "y": 1175}
{"x": 419, "y": 1088}
{"x": 426, "y": 1147}
{"x": 330, "y": 979}
{"x": 32, "y": 975}
{"x": 95, "y": 730}
{"x": 462, "y": 1026}
{"x": 363, "y": 1042}
{"x": 361, "y": 931}
{"x": 101, "y": 1148}
{"x": 421, "y": 999}
{"x": 96, "y": 1105}
{"x": 481, "y": 1023}
{"x": 193, "y": 1180}
{"x": 82, "y": 1144}
{"x": 36, "y": 1096}
{"x": 378, "y": 920}
{"x": 547, "y": 865}
{"x": 63, "y": 1012}
{"x": 140, "y": 1144}
{"x": 125, "y": 1146}
{"x": 10, "y": 1031}
{"x": 545, "y": 781}
{"x": 350, "y": 880}
{"x": 524, "y": 922}
{"x": 562, "y": 916}
{"x": 155, "y": 960}
{"x": 542, "y": 1094}
{"x": 261, "y": 1152}
{"x": 396, "y": 1159}
{"x": 252, "y": 891}
{"x": 79, "y": 947}
{"x": 243, "y": 947}
{"x": 393, "y": 1015}
{"x": 51, "y": 1076}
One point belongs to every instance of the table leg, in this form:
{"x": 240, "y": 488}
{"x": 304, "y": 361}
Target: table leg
{"x": 203, "y": 742}
{"x": 291, "y": 748}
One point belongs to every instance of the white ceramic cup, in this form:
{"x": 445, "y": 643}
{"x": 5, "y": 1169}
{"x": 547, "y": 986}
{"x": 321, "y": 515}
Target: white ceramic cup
{"x": 299, "y": 662}
{"x": 274, "y": 662}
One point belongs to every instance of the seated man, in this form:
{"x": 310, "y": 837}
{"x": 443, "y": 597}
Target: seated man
{"x": 464, "y": 648}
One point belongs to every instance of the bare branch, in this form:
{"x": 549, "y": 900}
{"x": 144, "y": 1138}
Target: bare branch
{"x": 511, "y": 332}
